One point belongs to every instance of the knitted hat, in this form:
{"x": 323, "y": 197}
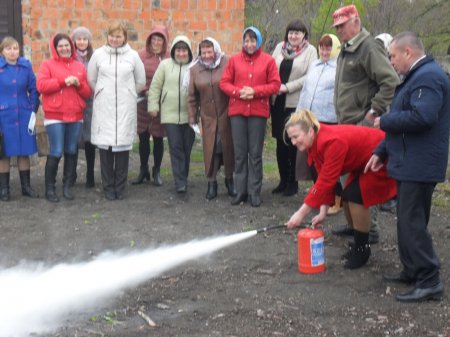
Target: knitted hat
{"x": 81, "y": 31}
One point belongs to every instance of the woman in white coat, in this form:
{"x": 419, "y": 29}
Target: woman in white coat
{"x": 116, "y": 74}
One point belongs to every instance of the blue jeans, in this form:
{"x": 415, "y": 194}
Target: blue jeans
{"x": 63, "y": 138}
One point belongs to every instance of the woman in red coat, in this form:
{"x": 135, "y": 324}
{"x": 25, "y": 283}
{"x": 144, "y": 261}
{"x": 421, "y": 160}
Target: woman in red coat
{"x": 249, "y": 79}
{"x": 62, "y": 81}
{"x": 337, "y": 150}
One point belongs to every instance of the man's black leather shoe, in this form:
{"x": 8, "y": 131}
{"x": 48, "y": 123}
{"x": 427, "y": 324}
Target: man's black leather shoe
{"x": 342, "y": 230}
{"x": 255, "y": 200}
{"x": 240, "y": 197}
{"x": 182, "y": 189}
{"x": 399, "y": 277}
{"x": 422, "y": 294}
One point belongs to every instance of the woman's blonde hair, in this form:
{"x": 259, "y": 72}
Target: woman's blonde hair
{"x": 305, "y": 119}
{"x": 6, "y": 42}
{"x": 118, "y": 26}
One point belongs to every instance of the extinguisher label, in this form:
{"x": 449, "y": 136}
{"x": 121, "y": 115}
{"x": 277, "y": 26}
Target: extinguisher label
{"x": 317, "y": 252}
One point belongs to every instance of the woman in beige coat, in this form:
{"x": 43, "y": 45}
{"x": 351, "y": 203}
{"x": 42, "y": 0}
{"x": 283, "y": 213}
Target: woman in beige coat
{"x": 293, "y": 57}
{"x": 206, "y": 100}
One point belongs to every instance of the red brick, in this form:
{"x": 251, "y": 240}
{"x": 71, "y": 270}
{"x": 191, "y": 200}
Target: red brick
{"x": 198, "y": 25}
{"x": 160, "y": 15}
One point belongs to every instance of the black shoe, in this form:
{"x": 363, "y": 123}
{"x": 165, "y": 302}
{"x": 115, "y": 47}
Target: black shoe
{"x": 144, "y": 174}
{"x": 211, "y": 192}
{"x": 157, "y": 181}
{"x": 422, "y": 294}
{"x": 229, "y": 184}
{"x": 344, "y": 230}
{"x": 110, "y": 196}
{"x": 182, "y": 189}
{"x": 50, "y": 194}
{"x": 398, "y": 277}
{"x": 280, "y": 188}
{"x": 240, "y": 197}
{"x": 389, "y": 206}
{"x": 358, "y": 257}
{"x": 255, "y": 200}
{"x": 291, "y": 189}
{"x": 120, "y": 195}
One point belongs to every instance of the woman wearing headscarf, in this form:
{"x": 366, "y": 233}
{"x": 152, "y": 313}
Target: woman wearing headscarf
{"x": 82, "y": 38}
{"x": 156, "y": 49}
{"x": 250, "y": 78}
{"x": 293, "y": 56}
{"x": 168, "y": 99}
{"x": 117, "y": 74}
{"x": 206, "y": 100}
{"x": 336, "y": 150}
{"x": 63, "y": 84}
{"x": 318, "y": 93}
{"x": 19, "y": 101}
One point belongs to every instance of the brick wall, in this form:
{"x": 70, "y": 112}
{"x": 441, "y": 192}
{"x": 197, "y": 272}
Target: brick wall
{"x": 221, "y": 19}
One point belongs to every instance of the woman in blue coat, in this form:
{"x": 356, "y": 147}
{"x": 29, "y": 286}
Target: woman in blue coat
{"x": 19, "y": 100}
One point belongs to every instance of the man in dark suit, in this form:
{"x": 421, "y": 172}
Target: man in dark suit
{"x": 416, "y": 147}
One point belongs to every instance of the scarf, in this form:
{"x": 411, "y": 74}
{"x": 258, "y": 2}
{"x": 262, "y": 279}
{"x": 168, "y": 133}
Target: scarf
{"x": 217, "y": 59}
{"x": 290, "y": 53}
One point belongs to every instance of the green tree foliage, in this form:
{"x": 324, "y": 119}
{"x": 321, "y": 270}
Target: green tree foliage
{"x": 428, "y": 18}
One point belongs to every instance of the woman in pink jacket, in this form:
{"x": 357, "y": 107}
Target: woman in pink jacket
{"x": 62, "y": 81}
{"x": 156, "y": 49}
{"x": 249, "y": 79}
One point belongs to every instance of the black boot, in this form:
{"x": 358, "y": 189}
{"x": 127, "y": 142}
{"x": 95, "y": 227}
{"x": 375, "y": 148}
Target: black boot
{"x": 157, "y": 181}
{"x": 291, "y": 189}
{"x": 70, "y": 166}
{"x": 90, "y": 181}
{"x": 291, "y": 184}
{"x": 144, "y": 174}
{"x": 26, "y": 187}
{"x": 360, "y": 253}
{"x": 280, "y": 188}
{"x": 282, "y": 161}
{"x": 229, "y": 184}
{"x": 4, "y": 186}
{"x": 211, "y": 193}
{"x": 89, "y": 151}
{"x": 51, "y": 169}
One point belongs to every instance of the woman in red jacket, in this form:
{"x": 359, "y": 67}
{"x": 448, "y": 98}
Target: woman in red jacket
{"x": 62, "y": 81}
{"x": 249, "y": 79}
{"x": 336, "y": 150}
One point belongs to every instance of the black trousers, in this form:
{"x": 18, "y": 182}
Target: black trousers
{"x": 415, "y": 244}
{"x": 181, "y": 139}
{"x": 114, "y": 169}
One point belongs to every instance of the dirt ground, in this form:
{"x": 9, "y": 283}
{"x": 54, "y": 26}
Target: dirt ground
{"x": 250, "y": 289}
